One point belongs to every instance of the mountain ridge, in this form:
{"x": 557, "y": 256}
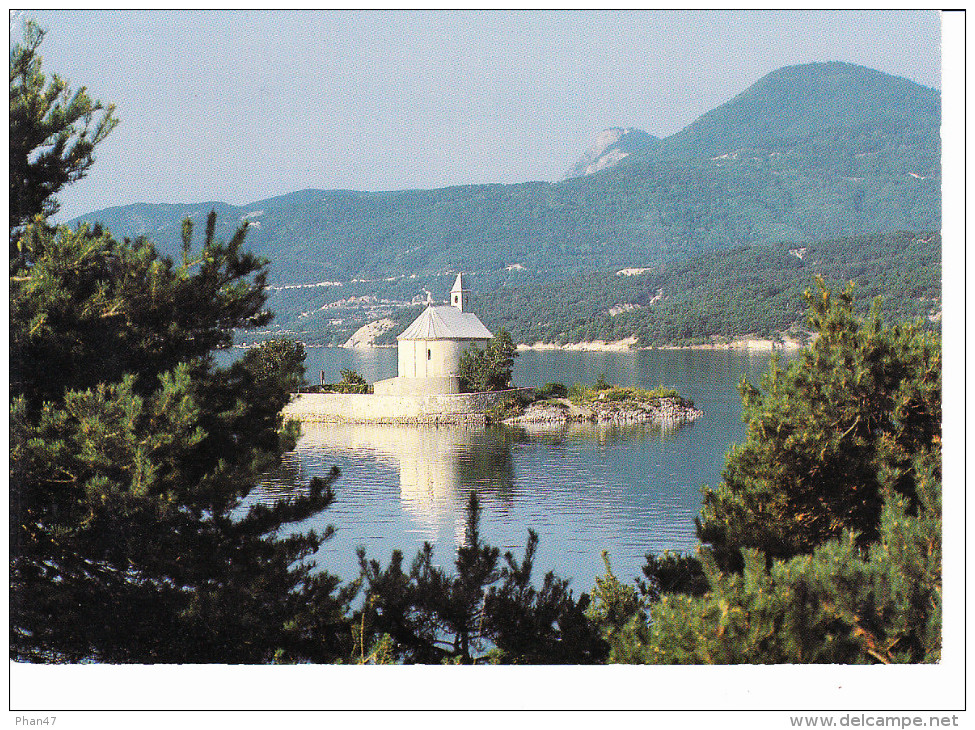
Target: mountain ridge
{"x": 737, "y": 175}
{"x": 795, "y": 101}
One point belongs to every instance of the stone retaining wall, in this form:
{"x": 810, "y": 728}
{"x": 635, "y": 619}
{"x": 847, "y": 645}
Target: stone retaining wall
{"x": 446, "y": 385}
{"x": 351, "y": 408}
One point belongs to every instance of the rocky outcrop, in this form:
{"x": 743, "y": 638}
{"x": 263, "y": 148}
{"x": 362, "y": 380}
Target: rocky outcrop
{"x": 664, "y": 411}
{"x": 611, "y": 146}
{"x": 366, "y": 335}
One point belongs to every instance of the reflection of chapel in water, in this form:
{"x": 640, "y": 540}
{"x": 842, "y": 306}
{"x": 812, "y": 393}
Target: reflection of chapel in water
{"x": 439, "y": 466}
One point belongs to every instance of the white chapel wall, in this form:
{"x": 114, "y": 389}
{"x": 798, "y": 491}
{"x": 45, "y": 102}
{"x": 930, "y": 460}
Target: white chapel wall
{"x": 432, "y": 358}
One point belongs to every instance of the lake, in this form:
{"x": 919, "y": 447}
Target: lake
{"x": 583, "y": 489}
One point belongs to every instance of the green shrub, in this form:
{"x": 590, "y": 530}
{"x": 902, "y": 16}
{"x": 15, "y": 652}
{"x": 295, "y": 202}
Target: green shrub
{"x": 352, "y": 382}
{"x": 490, "y": 368}
{"x": 580, "y": 393}
{"x": 551, "y": 390}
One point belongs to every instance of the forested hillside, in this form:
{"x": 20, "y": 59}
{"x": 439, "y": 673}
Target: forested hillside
{"x": 751, "y": 290}
{"x": 805, "y": 154}
{"x": 747, "y": 291}
{"x": 807, "y": 101}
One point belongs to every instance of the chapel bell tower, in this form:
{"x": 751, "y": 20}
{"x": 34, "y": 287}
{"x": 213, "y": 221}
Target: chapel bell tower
{"x": 458, "y": 295}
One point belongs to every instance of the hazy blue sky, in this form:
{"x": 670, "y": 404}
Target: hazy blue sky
{"x": 241, "y": 105}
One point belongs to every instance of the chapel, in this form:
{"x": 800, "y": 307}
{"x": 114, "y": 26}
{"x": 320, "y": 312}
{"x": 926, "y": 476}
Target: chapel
{"x": 430, "y": 348}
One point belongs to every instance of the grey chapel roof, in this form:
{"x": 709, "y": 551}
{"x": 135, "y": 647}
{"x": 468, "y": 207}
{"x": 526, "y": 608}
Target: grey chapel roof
{"x": 446, "y": 323}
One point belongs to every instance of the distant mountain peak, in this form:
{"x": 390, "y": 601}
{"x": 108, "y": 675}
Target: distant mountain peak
{"x": 795, "y": 101}
{"x": 611, "y": 146}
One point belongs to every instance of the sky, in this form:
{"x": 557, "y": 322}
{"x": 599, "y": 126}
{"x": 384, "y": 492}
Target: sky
{"x": 237, "y": 106}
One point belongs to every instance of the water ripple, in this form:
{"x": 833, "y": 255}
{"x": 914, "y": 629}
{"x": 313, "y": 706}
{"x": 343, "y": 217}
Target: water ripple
{"x": 628, "y": 491}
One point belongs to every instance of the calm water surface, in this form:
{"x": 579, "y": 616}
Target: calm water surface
{"x": 627, "y": 490}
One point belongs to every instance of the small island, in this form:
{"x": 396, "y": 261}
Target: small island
{"x": 452, "y": 369}
{"x": 600, "y": 403}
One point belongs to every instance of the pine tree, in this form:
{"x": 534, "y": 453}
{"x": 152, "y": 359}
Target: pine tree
{"x": 619, "y": 612}
{"x": 839, "y": 604}
{"x": 133, "y": 537}
{"x": 53, "y": 132}
{"x": 826, "y": 532}
{"x": 131, "y": 463}
{"x": 485, "y": 613}
{"x": 862, "y": 400}
{"x": 88, "y": 309}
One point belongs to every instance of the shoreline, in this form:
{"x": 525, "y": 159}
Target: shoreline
{"x": 590, "y": 346}
{"x": 752, "y": 344}
{"x": 667, "y": 412}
